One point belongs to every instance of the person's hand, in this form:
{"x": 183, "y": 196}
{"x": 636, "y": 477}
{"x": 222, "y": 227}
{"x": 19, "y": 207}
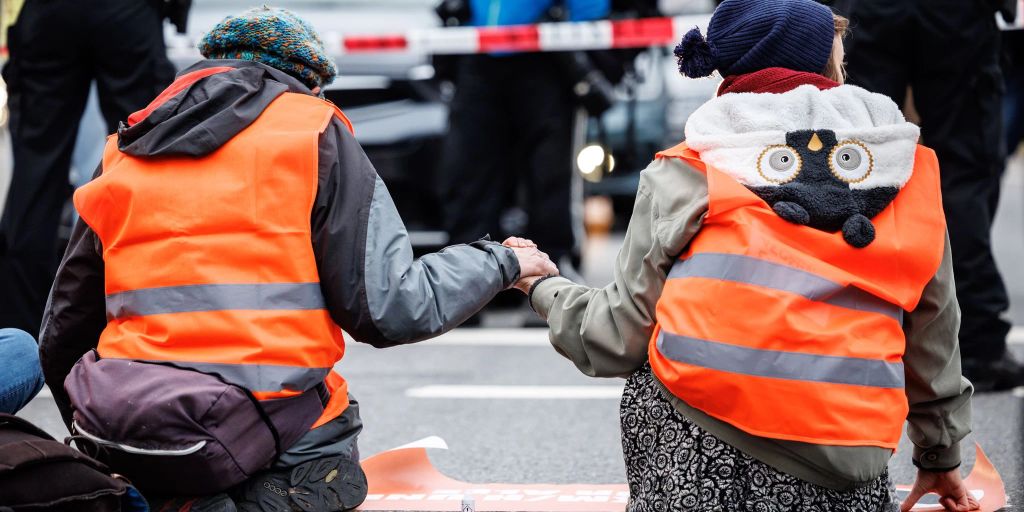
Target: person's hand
{"x": 533, "y": 264}
{"x": 530, "y": 268}
{"x": 953, "y": 494}
{"x": 515, "y": 241}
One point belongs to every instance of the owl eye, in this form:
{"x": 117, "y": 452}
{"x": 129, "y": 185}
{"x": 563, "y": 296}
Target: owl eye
{"x": 779, "y": 164}
{"x": 851, "y": 161}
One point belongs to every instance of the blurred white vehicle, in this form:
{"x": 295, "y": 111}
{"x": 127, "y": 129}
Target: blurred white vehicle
{"x": 399, "y": 107}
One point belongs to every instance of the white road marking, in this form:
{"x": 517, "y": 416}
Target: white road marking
{"x": 429, "y": 442}
{"x": 518, "y": 392}
{"x": 531, "y": 337}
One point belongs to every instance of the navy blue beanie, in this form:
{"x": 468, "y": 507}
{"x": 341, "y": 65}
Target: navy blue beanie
{"x": 750, "y": 35}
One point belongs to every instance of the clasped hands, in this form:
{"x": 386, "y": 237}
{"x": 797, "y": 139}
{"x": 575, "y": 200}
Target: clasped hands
{"x": 534, "y": 264}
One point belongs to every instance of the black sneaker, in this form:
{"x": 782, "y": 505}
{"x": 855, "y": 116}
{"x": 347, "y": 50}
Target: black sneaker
{"x": 1000, "y": 374}
{"x": 321, "y": 485}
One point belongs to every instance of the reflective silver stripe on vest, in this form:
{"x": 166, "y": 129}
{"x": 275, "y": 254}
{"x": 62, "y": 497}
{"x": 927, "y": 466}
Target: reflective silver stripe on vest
{"x": 258, "y": 377}
{"x": 780, "y": 365}
{"x": 214, "y": 297}
{"x": 757, "y": 272}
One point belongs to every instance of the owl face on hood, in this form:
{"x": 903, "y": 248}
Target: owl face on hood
{"x": 831, "y": 159}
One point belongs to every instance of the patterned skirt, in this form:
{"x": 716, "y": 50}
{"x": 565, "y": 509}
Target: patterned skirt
{"x": 674, "y": 465}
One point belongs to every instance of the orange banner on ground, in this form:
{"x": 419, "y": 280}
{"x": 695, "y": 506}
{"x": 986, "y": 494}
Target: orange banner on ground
{"x": 404, "y": 479}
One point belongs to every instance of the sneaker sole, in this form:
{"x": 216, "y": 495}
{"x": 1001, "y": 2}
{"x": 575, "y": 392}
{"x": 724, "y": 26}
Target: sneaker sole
{"x": 332, "y": 483}
{"x": 264, "y": 493}
{"x": 328, "y": 484}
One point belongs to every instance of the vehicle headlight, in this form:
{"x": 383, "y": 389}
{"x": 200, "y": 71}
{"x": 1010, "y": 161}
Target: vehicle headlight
{"x": 590, "y": 161}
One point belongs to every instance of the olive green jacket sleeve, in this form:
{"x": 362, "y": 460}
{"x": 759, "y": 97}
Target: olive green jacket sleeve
{"x": 605, "y": 331}
{"x": 939, "y": 396}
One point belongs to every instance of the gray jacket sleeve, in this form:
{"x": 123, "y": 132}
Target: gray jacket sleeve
{"x": 940, "y": 398}
{"x": 75, "y": 313}
{"x": 373, "y": 287}
{"x": 605, "y": 331}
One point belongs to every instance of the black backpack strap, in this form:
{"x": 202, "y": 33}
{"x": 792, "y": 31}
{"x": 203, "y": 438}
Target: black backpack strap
{"x": 278, "y": 450}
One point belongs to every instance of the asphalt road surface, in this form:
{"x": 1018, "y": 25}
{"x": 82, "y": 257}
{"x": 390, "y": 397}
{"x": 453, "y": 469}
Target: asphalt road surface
{"x": 513, "y": 411}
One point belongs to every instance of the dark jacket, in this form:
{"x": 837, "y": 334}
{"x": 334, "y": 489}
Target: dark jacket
{"x": 373, "y": 288}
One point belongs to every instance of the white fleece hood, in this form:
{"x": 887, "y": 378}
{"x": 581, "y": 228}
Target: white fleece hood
{"x": 731, "y": 132}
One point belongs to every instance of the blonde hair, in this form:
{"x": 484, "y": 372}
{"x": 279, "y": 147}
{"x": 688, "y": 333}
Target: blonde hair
{"x": 836, "y": 71}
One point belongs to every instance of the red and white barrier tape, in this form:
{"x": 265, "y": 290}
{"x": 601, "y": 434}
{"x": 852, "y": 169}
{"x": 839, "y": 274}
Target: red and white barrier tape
{"x": 542, "y": 37}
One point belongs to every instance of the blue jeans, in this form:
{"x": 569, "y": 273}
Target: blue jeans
{"x": 21, "y": 377}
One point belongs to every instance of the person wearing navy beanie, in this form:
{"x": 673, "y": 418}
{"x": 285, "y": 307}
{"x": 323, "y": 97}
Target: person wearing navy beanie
{"x": 783, "y": 301}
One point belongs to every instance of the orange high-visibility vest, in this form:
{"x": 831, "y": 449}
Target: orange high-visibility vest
{"x": 209, "y": 261}
{"x": 788, "y": 332}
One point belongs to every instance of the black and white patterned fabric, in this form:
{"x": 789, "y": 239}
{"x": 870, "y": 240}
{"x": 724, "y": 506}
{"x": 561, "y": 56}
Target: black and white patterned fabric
{"x": 674, "y": 465}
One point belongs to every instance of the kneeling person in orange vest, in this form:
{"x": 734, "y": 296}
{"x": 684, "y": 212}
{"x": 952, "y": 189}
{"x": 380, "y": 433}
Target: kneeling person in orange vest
{"x": 234, "y": 228}
{"x": 784, "y": 297}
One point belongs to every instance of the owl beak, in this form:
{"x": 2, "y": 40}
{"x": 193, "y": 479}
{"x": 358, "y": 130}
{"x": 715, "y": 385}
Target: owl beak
{"x": 815, "y": 143}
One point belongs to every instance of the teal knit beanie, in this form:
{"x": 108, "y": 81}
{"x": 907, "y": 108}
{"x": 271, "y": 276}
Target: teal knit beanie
{"x": 275, "y": 37}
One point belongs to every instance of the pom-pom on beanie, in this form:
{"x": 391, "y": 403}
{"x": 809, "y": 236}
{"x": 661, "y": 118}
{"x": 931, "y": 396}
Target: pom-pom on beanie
{"x": 750, "y": 35}
{"x": 275, "y": 37}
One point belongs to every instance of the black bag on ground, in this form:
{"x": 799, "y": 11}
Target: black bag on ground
{"x": 38, "y": 473}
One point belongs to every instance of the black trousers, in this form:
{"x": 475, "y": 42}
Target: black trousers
{"x": 1013, "y": 103}
{"x": 57, "y": 48}
{"x": 510, "y": 125}
{"x": 947, "y": 51}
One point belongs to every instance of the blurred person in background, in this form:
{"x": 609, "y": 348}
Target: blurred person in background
{"x": 57, "y": 48}
{"x": 236, "y": 228}
{"x": 784, "y": 292}
{"x": 948, "y": 53}
{"x": 511, "y": 123}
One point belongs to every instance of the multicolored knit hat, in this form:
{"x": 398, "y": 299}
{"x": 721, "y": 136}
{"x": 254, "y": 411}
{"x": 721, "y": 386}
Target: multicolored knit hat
{"x": 275, "y": 37}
